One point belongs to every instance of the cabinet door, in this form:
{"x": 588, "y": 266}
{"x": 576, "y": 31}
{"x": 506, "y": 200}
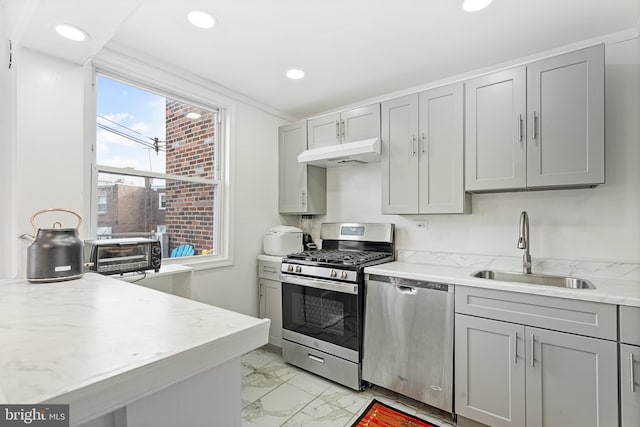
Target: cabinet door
{"x": 571, "y": 380}
{"x": 271, "y": 308}
{"x": 361, "y": 123}
{"x": 489, "y": 371}
{"x": 495, "y": 131}
{"x": 630, "y": 385}
{"x": 400, "y": 155}
{"x": 441, "y": 173}
{"x": 324, "y": 131}
{"x": 566, "y": 119}
{"x": 292, "y": 175}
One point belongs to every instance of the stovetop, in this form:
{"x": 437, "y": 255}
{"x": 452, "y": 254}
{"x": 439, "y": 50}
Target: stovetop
{"x": 339, "y": 257}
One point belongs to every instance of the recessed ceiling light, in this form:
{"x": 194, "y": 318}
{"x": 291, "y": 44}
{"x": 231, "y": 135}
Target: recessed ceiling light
{"x": 71, "y": 33}
{"x": 201, "y": 19}
{"x": 475, "y": 5}
{"x": 295, "y": 74}
{"x": 193, "y": 115}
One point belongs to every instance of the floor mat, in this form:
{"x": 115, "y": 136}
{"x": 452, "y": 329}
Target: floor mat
{"x": 379, "y": 414}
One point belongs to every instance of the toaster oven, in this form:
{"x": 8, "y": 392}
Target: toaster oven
{"x": 116, "y": 256}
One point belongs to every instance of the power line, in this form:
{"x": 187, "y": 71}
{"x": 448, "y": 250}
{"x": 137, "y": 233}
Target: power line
{"x": 151, "y": 145}
{"x": 128, "y": 128}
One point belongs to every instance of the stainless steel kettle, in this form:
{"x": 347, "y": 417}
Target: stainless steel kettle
{"x": 56, "y": 253}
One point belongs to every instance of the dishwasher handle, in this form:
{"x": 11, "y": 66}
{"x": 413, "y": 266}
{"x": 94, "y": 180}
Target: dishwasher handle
{"x": 407, "y": 290}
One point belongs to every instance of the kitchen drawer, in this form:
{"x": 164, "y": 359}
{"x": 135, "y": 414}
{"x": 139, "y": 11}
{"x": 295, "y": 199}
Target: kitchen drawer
{"x": 630, "y": 325}
{"x": 577, "y": 317}
{"x": 269, "y": 270}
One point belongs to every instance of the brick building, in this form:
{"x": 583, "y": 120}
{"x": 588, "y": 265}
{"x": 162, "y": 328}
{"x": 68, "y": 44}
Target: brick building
{"x": 124, "y": 208}
{"x": 190, "y": 152}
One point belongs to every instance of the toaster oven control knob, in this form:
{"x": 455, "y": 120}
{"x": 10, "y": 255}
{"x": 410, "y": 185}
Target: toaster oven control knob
{"x": 156, "y": 250}
{"x": 155, "y": 262}
{"x": 290, "y": 268}
{"x": 333, "y": 273}
{"x": 343, "y": 275}
{"x": 298, "y": 269}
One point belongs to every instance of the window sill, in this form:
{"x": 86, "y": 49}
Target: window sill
{"x": 199, "y": 262}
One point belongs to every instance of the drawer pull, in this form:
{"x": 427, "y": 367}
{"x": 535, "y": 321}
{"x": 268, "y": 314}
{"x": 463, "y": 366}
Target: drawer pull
{"x": 315, "y": 358}
{"x": 632, "y": 377}
{"x": 533, "y": 340}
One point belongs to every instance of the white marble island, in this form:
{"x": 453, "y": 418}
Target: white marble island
{"x": 122, "y": 354}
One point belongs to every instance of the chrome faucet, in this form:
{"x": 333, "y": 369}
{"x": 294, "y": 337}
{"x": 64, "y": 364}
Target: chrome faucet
{"x": 523, "y": 242}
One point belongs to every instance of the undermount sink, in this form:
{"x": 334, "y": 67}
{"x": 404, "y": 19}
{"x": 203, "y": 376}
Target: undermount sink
{"x": 535, "y": 279}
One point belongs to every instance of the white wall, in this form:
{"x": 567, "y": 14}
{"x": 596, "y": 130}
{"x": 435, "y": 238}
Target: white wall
{"x": 50, "y": 171}
{"x": 256, "y": 210}
{"x": 591, "y": 224}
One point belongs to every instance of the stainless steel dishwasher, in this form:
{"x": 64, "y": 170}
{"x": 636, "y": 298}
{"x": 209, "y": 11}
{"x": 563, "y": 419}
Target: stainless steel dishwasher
{"x": 408, "y": 338}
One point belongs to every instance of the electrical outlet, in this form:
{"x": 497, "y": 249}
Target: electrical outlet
{"x": 422, "y": 224}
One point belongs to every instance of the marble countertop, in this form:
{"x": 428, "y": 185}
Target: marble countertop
{"x": 63, "y": 341}
{"x": 611, "y": 291}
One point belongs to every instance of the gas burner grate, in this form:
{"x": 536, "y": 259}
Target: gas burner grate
{"x": 339, "y": 257}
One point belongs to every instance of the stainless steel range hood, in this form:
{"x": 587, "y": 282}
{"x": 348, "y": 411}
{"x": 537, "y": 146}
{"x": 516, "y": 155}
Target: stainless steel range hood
{"x": 350, "y": 153}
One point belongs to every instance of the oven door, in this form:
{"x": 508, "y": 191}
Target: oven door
{"x": 322, "y": 310}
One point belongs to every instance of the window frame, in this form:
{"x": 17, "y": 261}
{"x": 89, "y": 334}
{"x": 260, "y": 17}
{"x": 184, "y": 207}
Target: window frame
{"x": 131, "y": 72}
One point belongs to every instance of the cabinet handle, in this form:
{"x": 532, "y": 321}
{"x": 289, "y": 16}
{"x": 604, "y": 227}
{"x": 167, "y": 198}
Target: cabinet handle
{"x": 515, "y": 348}
{"x": 412, "y": 144}
{"x": 535, "y": 126}
{"x": 304, "y": 198}
{"x": 315, "y": 358}
{"x": 424, "y": 144}
{"x": 343, "y": 130}
{"x": 533, "y": 340}
{"x": 520, "y": 128}
{"x": 631, "y": 374}
{"x": 338, "y": 130}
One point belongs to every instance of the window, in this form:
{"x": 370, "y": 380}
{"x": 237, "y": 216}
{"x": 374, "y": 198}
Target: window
{"x": 102, "y": 203}
{"x": 157, "y": 167}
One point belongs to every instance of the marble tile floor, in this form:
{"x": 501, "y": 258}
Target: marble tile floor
{"x": 275, "y": 393}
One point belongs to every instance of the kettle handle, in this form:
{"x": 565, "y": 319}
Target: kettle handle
{"x": 35, "y": 229}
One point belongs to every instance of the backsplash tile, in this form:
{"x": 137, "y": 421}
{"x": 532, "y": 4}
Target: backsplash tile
{"x": 595, "y": 269}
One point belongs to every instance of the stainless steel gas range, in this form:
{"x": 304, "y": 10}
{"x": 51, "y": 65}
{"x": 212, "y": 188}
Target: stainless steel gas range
{"x": 323, "y": 299}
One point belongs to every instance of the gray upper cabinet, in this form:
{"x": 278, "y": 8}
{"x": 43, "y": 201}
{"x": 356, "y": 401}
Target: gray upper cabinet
{"x": 441, "y": 156}
{"x": 400, "y": 155}
{"x": 422, "y": 153}
{"x": 348, "y": 126}
{"x": 537, "y": 126}
{"x": 495, "y": 155}
{"x": 302, "y": 188}
{"x": 565, "y": 98}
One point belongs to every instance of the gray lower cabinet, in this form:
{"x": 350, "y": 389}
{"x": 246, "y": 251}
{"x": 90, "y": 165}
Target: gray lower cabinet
{"x": 570, "y": 380}
{"x": 422, "y": 153}
{"x": 271, "y": 308}
{"x": 540, "y": 125}
{"x": 512, "y": 371}
{"x": 270, "y": 298}
{"x": 630, "y": 385}
{"x": 630, "y": 366}
{"x": 302, "y": 188}
{"x": 489, "y": 371}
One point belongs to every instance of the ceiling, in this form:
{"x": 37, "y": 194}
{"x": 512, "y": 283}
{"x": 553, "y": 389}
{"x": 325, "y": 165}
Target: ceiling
{"x": 350, "y": 49}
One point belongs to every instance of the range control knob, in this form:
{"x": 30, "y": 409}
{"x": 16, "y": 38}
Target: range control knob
{"x": 290, "y": 268}
{"x": 343, "y": 275}
{"x": 333, "y": 273}
{"x": 298, "y": 269}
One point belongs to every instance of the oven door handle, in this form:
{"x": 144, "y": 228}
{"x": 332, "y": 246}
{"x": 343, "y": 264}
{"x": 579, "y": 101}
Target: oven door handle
{"x": 326, "y": 285}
